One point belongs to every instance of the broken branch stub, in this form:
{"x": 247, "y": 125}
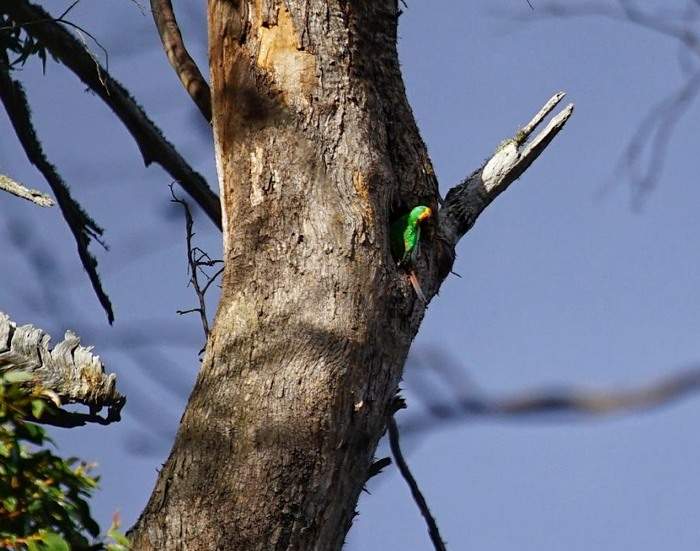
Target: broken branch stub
{"x": 70, "y": 373}
{"x": 15, "y": 188}
{"x": 465, "y": 202}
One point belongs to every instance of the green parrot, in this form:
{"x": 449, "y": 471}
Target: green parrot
{"x": 405, "y": 242}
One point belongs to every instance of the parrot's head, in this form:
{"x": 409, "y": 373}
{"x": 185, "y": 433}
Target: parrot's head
{"x": 421, "y": 213}
{"x": 425, "y": 214}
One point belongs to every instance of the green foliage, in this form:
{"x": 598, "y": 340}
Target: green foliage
{"x": 43, "y": 496}
{"x": 13, "y": 39}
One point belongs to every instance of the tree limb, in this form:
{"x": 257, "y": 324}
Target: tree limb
{"x": 15, "y": 188}
{"x": 466, "y": 201}
{"x": 180, "y": 59}
{"x": 70, "y": 373}
{"x": 413, "y": 486}
{"x": 150, "y": 140}
{"x": 83, "y": 227}
{"x": 565, "y": 401}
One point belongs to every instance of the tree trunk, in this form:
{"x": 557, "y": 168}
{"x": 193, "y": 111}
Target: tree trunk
{"x": 317, "y": 150}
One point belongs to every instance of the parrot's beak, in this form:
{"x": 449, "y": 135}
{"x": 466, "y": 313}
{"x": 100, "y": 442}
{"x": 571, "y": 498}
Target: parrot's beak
{"x": 425, "y": 215}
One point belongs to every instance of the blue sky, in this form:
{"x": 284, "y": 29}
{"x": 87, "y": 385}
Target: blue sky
{"x": 564, "y": 281}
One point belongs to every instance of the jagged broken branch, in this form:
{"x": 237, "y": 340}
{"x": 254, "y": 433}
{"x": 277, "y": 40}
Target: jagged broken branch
{"x": 70, "y": 373}
{"x": 465, "y": 202}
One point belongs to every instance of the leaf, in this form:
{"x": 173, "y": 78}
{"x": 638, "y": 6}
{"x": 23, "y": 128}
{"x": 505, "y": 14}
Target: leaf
{"x": 38, "y": 407}
{"x": 9, "y": 503}
{"x": 34, "y": 433}
{"x": 54, "y": 542}
{"x": 119, "y": 538}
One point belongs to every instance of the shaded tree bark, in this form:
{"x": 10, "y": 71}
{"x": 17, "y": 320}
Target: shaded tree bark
{"x": 317, "y": 152}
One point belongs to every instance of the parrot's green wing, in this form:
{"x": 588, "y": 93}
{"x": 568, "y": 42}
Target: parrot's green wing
{"x": 396, "y": 238}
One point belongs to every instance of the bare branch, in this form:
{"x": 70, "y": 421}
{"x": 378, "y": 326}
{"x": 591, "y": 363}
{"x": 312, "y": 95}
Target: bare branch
{"x": 196, "y": 260}
{"x": 655, "y": 132}
{"x": 413, "y": 485}
{"x": 466, "y": 201}
{"x": 150, "y": 140}
{"x": 547, "y": 108}
{"x": 566, "y": 401}
{"x": 378, "y": 466}
{"x": 83, "y": 227}
{"x": 69, "y": 373}
{"x": 15, "y": 188}
{"x": 180, "y": 59}
{"x": 625, "y": 11}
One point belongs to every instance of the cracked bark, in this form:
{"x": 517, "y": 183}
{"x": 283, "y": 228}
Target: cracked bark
{"x": 317, "y": 150}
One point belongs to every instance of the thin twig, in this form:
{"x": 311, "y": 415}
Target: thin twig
{"x": 196, "y": 259}
{"x": 413, "y": 485}
{"x": 68, "y": 10}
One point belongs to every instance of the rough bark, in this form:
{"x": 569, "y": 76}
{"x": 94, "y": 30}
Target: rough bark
{"x": 317, "y": 152}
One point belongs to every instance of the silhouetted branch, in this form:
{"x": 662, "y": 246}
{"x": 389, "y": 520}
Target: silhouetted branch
{"x": 15, "y": 188}
{"x": 378, "y": 466}
{"x": 413, "y": 485}
{"x": 196, "y": 260}
{"x": 83, "y": 227}
{"x": 69, "y": 373}
{"x": 178, "y": 56}
{"x": 150, "y": 140}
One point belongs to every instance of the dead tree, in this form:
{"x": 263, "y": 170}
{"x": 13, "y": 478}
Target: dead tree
{"x": 317, "y": 153}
